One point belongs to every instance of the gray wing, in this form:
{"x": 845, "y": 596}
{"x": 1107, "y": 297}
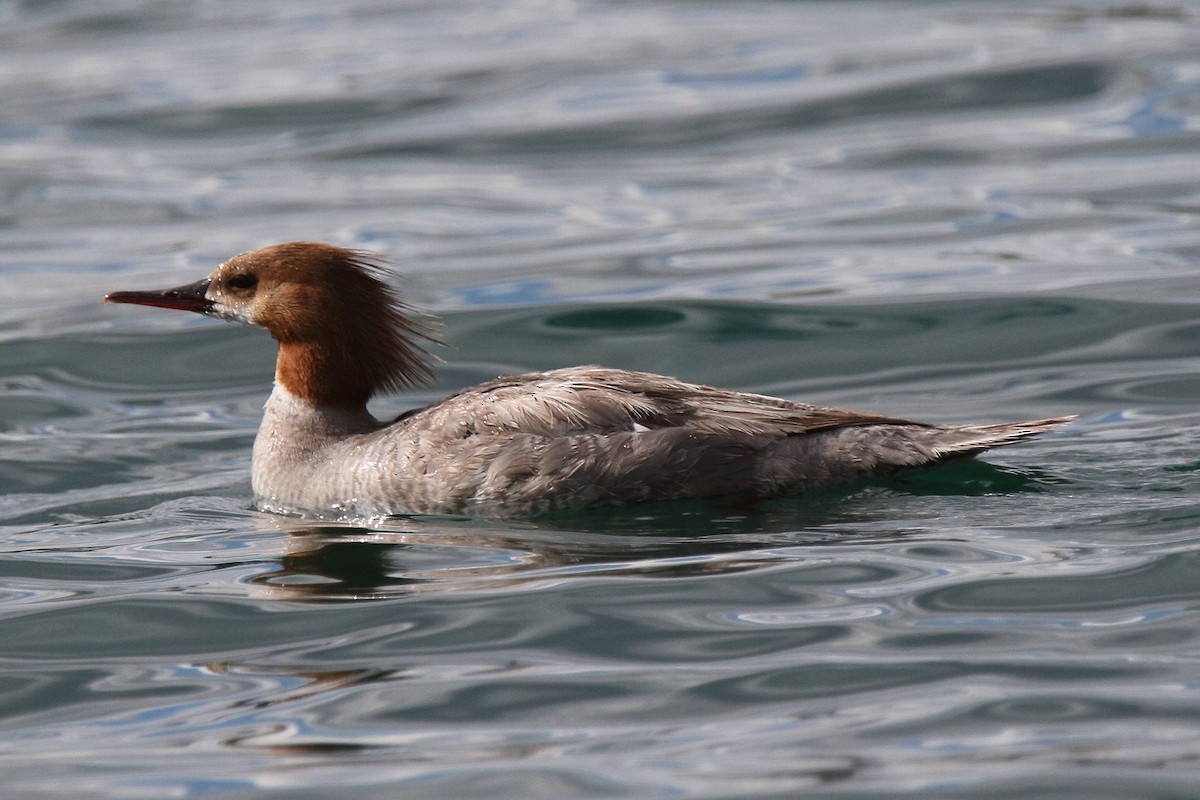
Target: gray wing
{"x": 598, "y": 400}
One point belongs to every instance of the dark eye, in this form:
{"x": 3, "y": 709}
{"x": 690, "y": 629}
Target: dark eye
{"x": 242, "y": 280}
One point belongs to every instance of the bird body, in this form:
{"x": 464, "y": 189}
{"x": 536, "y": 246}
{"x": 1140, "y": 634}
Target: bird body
{"x": 518, "y": 445}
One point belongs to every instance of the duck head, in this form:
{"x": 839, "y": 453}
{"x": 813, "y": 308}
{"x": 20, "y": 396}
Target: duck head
{"x": 344, "y": 334}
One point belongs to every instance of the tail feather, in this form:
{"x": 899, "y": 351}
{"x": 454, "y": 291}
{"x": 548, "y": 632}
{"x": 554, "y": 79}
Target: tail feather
{"x": 829, "y": 456}
{"x": 971, "y": 439}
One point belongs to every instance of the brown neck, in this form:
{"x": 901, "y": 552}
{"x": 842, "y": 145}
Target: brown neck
{"x": 325, "y": 377}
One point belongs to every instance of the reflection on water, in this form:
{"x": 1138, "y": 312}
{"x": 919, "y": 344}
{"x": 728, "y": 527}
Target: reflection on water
{"x": 403, "y": 557}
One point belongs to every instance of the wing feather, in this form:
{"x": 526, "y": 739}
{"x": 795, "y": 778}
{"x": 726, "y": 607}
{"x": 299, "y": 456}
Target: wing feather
{"x": 599, "y": 400}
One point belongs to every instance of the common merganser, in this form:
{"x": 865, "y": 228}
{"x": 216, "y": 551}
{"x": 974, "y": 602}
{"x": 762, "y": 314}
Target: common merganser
{"x": 518, "y": 445}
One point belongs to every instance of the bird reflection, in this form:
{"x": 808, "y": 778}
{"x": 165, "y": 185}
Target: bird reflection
{"x": 335, "y": 568}
{"x": 383, "y": 558}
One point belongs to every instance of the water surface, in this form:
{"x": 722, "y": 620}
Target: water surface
{"x": 945, "y": 211}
